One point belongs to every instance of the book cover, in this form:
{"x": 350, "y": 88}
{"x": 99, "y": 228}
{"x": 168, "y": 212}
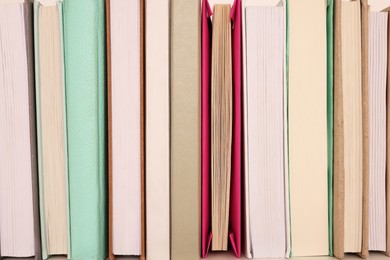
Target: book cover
{"x": 84, "y": 47}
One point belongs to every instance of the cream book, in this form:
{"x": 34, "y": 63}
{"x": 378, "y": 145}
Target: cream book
{"x": 307, "y": 127}
{"x": 352, "y": 110}
{"x": 51, "y": 128}
{"x": 19, "y": 216}
{"x": 157, "y": 129}
{"x": 266, "y": 217}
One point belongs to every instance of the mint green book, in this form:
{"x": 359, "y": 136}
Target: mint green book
{"x": 329, "y": 44}
{"x": 84, "y": 47}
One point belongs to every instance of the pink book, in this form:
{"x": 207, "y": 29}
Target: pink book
{"x": 235, "y": 189}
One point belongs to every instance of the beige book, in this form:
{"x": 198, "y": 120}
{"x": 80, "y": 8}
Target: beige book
{"x": 157, "y": 130}
{"x": 185, "y": 129}
{"x": 51, "y": 129}
{"x": 352, "y": 112}
{"x": 308, "y": 127}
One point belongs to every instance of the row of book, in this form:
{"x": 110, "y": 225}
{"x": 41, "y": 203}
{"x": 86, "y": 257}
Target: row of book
{"x": 168, "y": 129}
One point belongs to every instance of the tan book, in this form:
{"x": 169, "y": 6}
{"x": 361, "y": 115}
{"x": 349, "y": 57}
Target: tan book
{"x": 185, "y": 129}
{"x": 351, "y": 146}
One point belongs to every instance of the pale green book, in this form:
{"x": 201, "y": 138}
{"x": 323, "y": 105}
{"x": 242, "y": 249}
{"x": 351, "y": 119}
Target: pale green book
{"x": 84, "y": 43}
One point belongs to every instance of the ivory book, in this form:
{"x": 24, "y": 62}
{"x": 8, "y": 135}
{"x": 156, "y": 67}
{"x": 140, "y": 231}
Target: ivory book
{"x": 125, "y": 131}
{"x": 19, "y": 216}
{"x": 264, "y": 129}
{"x": 307, "y": 127}
{"x": 85, "y": 77}
{"x": 51, "y": 128}
{"x": 157, "y": 129}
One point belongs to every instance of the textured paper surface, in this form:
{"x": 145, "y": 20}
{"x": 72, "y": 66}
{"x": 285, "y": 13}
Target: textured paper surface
{"x": 185, "y": 129}
{"x": 308, "y": 128}
{"x": 86, "y": 117}
{"x": 157, "y": 130}
{"x": 51, "y": 126}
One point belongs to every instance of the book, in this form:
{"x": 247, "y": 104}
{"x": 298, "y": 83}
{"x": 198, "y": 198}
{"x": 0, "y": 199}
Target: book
{"x": 351, "y": 129}
{"x": 377, "y": 65}
{"x": 185, "y": 128}
{"x": 330, "y": 109}
{"x": 157, "y": 130}
{"x": 125, "y": 131}
{"x": 387, "y": 252}
{"x": 51, "y": 128}
{"x": 307, "y": 127}
{"x": 221, "y": 125}
{"x": 265, "y": 123}
{"x": 234, "y": 235}
{"x": 84, "y": 48}
{"x": 19, "y": 214}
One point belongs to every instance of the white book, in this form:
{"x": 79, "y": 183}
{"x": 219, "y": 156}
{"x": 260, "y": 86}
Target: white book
{"x": 377, "y": 65}
{"x": 17, "y": 134}
{"x": 307, "y": 127}
{"x": 125, "y": 126}
{"x": 266, "y": 232}
{"x": 157, "y": 130}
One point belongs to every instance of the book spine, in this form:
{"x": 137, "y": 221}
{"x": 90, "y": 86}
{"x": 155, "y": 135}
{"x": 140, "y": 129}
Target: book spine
{"x": 84, "y": 44}
{"x": 185, "y": 129}
{"x": 157, "y": 130}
